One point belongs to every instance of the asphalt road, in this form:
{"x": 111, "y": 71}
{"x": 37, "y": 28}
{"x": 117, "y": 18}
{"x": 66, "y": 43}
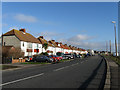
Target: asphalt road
{"x": 85, "y": 73}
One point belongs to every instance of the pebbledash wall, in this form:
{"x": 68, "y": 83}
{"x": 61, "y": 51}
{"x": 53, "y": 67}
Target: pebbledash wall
{"x": 11, "y": 41}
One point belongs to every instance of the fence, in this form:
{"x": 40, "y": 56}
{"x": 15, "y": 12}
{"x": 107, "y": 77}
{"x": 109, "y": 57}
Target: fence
{"x": 6, "y": 60}
{"x": 18, "y": 60}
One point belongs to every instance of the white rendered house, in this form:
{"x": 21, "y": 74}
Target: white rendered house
{"x": 25, "y": 41}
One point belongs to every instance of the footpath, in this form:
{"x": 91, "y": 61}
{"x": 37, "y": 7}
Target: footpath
{"x": 114, "y": 75}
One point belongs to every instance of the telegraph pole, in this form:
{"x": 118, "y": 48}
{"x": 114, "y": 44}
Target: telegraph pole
{"x": 115, "y": 36}
{"x": 110, "y": 46}
{"x": 106, "y": 46}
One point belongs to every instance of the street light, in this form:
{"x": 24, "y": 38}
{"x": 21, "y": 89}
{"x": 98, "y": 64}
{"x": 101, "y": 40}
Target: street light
{"x": 115, "y": 36}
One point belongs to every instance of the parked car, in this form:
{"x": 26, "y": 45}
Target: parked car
{"x": 79, "y": 56}
{"x": 68, "y": 56}
{"x": 28, "y": 58}
{"x": 60, "y": 57}
{"x": 42, "y": 58}
{"x": 56, "y": 58}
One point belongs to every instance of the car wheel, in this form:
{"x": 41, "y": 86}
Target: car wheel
{"x": 46, "y": 60}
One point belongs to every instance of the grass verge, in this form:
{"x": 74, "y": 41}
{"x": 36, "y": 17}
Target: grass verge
{"x": 116, "y": 59}
{"x": 35, "y": 63}
{"x": 4, "y": 67}
{"x": 65, "y": 60}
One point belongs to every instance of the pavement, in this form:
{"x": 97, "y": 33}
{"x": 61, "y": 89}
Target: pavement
{"x": 85, "y": 73}
{"x": 22, "y": 66}
{"x": 114, "y": 75}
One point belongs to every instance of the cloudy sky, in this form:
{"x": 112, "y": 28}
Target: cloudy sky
{"x": 84, "y": 24}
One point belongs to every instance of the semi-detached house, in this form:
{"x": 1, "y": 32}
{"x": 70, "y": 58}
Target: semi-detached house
{"x": 23, "y": 40}
{"x": 62, "y": 47}
{"x": 50, "y": 48}
{"x": 68, "y": 50}
{"x": 57, "y": 47}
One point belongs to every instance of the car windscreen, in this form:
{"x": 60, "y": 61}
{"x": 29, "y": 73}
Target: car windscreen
{"x": 50, "y": 56}
{"x": 54, "y": 56}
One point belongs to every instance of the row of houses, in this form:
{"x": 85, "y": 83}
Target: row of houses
{"x": 31, "y": 45}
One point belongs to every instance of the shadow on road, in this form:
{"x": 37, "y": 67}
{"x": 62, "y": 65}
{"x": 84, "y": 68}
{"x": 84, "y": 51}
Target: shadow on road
{"x": 87, "y": 82}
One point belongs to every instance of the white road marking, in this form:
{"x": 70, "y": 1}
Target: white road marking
{"x": 64, "y": 67}
{"x": 58, "y": 69}
{"x": 74, "y": 64}
{"x": 21, "y": 79}
{"x": 67, "y": 66}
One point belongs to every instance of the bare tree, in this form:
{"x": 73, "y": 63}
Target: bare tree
{"x": 15, "y": 53}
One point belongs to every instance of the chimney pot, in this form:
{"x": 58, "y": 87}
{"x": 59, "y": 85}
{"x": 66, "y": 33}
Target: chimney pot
{"x": 53, "y": 40}
{"x": 41, "y": 37}
{"x": 23, "y": 30}
{"x": 57, "y": 43}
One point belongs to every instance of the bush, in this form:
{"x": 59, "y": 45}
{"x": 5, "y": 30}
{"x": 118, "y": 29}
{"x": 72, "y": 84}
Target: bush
{"x": 15, "y": 53}
{"x": 44, "y": 53}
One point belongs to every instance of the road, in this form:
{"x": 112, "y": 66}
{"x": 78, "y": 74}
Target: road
{"x": 85, "y": 73}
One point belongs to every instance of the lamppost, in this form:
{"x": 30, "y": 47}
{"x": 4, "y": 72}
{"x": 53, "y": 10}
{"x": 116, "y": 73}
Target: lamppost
{"x": 115, "y": 36}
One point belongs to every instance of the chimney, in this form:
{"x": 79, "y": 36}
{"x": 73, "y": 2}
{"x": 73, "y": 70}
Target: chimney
{"x": 57, "y": 43}
{"x": 69, "y": 45}
{"x": 53, "y": 40}
{"x": 41, "y": 37}
{"x": 66, "y": 44}
{"x": 23, "y": 30}
{"x": 60, "y": 42}
{"x": 49, "y": 41}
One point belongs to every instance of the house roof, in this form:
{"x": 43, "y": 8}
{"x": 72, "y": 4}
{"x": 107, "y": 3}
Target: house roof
{"x": 53, "y": 43}
{"x": 62, "y": 46}
{"x": 76, "y": 48}
{"x": 22, "y": 36}
{"x": 67, "y": 46}
{"x": 70, "y": 47}
{"x": 73, "y": 48}
{"x": 42, "y": 40}
{"x": 83, "y": 49}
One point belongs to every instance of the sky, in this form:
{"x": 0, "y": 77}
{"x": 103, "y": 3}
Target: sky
{"x": 83, "y": 24}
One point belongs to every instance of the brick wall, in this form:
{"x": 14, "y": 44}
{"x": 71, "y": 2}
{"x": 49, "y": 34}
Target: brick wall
{"x": 18, "y": 60}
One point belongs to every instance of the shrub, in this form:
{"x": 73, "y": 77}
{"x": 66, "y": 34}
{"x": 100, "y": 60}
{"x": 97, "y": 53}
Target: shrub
{"x": 44, "y": 53}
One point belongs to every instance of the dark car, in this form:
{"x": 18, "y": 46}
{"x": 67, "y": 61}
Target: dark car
{"x": 42, "y": 58}
{"x": 79, "y": 56}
